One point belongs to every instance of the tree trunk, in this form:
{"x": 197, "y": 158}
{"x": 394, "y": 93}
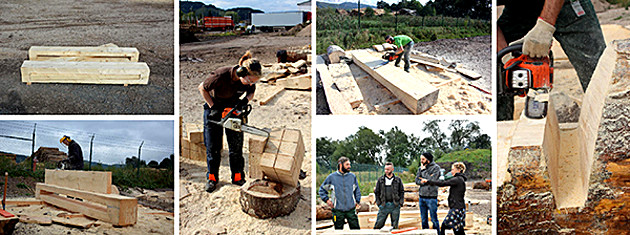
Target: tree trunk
{"x": 265, "y": 199}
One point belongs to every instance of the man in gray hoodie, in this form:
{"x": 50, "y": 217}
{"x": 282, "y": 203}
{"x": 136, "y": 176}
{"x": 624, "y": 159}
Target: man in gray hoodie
{"x": 345, "y": 195}
{"x": 428, "y": 193}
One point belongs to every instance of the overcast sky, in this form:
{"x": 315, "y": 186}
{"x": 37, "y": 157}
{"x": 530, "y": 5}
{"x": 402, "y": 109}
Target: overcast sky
{"x": 266, "y": 6}
{"x": 340, "y": 127}
{"x": 113, "y": 141}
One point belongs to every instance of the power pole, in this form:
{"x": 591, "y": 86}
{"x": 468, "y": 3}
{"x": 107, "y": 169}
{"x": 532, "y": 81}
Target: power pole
{"x": 33, "y": 147}
{"x": 91, "y": 143}
{"x": 359, "y": 11}
{"x": 139, "y": 149}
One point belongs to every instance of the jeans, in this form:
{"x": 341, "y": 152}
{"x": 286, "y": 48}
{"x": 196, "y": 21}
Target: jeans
{"x": 406, "y": 51}
{"x": 431, "y": 205}
{"x": 213, "y": 139}
{"x": 385, "y": 209}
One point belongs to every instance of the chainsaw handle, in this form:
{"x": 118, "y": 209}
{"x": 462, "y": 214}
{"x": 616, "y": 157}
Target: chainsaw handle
{"x": 509, "y": 49}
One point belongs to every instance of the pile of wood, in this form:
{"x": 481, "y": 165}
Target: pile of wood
{"x": 48, "y": 155}
{"x": 288, "y": 75}
{"x": 107, "y": 64}
{"x": 191, "y": 141}
{"x": 88, "y": 193}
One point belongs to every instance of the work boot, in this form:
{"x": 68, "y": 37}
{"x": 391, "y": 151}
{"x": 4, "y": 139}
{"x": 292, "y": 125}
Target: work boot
{"x": 211, "y": 186}
{"x": 397, "y": 65}
{"x": 407, "y": 70}
{"x": 238, "y": 179}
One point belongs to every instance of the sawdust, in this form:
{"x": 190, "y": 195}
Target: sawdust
{"x": 146, "y": 224}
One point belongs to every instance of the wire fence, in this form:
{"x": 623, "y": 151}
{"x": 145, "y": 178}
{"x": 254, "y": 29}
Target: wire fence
{"x": 16, "y": 137}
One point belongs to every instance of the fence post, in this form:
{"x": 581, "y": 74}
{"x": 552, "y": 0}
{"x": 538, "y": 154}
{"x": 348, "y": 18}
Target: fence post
{"x": 33, "y": 147}
{"x": 91, "y": 143}
{"x": 139, "y": 149}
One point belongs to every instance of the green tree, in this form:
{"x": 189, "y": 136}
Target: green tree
{"x": 167, "y": 163}
{"x": 481, "y": 142}
{"x": 364, "y": 146}
{"x": 397, "y": 147}
{"x": 234, "y": 15}
{"x": 325, "y": 148}
{"x": 153, "y": 164}
{"x": 369, "y": 12}
{"x": 462, "y": 132}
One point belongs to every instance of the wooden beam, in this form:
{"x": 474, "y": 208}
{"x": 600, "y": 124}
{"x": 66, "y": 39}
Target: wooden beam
{"x": 417, "y": 95}
{"x": 284, "y": 164}
{"x": 343, "y": 78}
{"x": 19, "y": 203}
{"x": 91, "y": 181}
{"x": 337, "y": 104}
{"x": 85, "y": 72}
{"x": 115, "y": 209}
{"x": 378, "y": 48}
{"x": 468, "y": 73}
{"x": 93, "y": 54}
{"x": 302, "y": 82}
{"x": 276, "y": 90}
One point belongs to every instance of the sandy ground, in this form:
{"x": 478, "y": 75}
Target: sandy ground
{"x": 144, "y": 24}
{"x": 146, "y": 224}
{"x": 456, "y": 96}
{"x": 219, "y": 212}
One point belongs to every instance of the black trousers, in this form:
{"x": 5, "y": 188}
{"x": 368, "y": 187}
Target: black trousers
{"x": 213, "y": 139}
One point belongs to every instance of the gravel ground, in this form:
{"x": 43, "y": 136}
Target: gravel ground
{"x": 144, "y": 24}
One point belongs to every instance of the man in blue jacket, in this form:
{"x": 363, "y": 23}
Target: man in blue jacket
{"x": 345, "y": 195}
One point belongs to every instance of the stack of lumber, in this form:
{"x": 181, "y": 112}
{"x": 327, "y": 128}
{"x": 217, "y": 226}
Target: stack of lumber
{"x": 282, "y": 156}
{"x": 107, "y": 64}
{"x": 192, "y": 145}
{"x": 408, "y": 219}
{"x": 87, "y": 193}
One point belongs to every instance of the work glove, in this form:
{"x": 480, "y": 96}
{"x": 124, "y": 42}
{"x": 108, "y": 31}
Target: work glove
{"x": 242, "y": 104}
{"x": 537, "y": 41}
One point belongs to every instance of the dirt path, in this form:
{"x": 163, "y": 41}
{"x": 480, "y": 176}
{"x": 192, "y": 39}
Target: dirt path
{"x": 144, "y": 24}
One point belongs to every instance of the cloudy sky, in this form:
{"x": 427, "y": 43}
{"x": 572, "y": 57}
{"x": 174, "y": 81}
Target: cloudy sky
{"x": 266, "y": 6}
{"x": 113, "y": 141}
{"x": 339, "y": 127}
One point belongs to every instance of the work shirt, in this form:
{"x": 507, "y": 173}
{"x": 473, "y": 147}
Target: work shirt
{"x": 75, "y": 155}
{"x": 345, "y": 192}
{"x": 402, "y": 40}
{"x": 225, "y": 90}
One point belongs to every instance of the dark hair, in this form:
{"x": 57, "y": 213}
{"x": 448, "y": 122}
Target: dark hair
{"x": 428, "y": 156}
{"x": 252, "y": 64}
{"x": 389, "y": 164}
{"x": 388, "y": 37}
{"x": 342, "y": 160}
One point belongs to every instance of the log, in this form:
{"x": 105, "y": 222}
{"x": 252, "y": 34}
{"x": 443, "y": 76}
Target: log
{"x": 417, "y": 95}
{"x": 334, "y": 52}
{"x": 91, "y": 181}
{"x": 336, "y": 102}
{"x": 93, "y": 54}
{"x": 323, "y": 212}
{"x": 263, "y": 205}
{"x": 85, "y": 72}
{"x": 412, "y": 197}
{"x": 347, "y": 86}
{"x": 388, "y": 46}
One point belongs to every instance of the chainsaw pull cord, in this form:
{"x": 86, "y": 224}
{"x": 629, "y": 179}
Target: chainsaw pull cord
{"x": 503, "y": 52}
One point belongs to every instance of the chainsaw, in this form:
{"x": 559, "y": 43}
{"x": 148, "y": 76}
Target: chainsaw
{"x": 388, "y": 57}
{"x": 526, "y": 77}
{"x": 235, "y": 120}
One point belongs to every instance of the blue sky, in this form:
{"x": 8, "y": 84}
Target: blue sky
{"x": 266, "y": 6}
{"x": 113, "y": 141}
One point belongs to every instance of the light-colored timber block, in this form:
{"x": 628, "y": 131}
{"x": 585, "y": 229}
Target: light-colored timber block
{"x": 93, "y": 54}
{"x": 415, "y": 93}
{"x": 257, "y": 144}
{"x": 337, "y": 104}
{"x": 115, "y": 209}
{"x": 267, "y": 162}
{"x": 254, "y": 166}
{"x": 91, "y": 181}
{"x": 272, "y": 146}
{"x": 195, "y": 136}
{"x": 343, "y": 78}
{"x": 302, "y": 82}
{"x": 282, "y": 160}
{"x": 85, "y": 72}
{"x": 276, "y": 134}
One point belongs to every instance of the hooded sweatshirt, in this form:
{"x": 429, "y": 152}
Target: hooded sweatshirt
{"x": 345, "y": 192}
{"x": 456, "y": 192}
{"x": 75, "y": 155}
{"x": 430, "y": 172}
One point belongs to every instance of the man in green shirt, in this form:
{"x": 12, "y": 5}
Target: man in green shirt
{"x": 404, "y": 44}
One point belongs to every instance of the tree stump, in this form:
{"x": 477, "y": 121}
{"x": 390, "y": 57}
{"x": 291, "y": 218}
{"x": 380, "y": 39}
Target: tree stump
{"x": 265, "y": 199}
{"x": 7, "y": 225}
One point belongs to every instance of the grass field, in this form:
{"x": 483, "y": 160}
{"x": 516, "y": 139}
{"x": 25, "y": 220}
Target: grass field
{"x": 342, "y": 30}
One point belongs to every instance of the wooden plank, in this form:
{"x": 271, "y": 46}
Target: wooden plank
{"x": 271, "y": 95}
{"x": 23, "y": 202}
{"x": 85, "y": 72}
{"x": 378, "y": 48}
{"x": 417, "y": 95}
{"x": 468, "y": 73}
{"x": 93, "y": 54}
{"x": 342, "y": 76}
{"x": 302, "y": 82}
{"x": 91, "y": 181}
{"x": 76, "y": 221}
{"x": 43, "y": 220}
{"x": 115, "y": 209}
{"x": 336, "y": 103}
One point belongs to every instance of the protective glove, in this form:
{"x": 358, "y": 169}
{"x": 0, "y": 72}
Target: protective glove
{"x": 537, "y": 41}
{"x": 242, "y": 103}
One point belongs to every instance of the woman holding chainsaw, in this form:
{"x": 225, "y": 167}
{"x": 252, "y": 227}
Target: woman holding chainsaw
{"x": 223, "y": 91}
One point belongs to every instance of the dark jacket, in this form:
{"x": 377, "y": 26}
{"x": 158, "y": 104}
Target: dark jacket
{"x": 75, "y": 156}
{"x": 456, "y": 192}
{"x": 431, "y": 172}
{"x": 397, "y": 188}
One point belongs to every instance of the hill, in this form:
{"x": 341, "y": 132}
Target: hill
{"x": 200, "y": 9}
{"x": 345, "y": 5}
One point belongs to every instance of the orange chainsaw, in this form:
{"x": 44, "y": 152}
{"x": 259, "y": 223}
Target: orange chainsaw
{"x": 235, "y": 119}
{"x": 526, "y": 77}
{"x": 388, "y": 57}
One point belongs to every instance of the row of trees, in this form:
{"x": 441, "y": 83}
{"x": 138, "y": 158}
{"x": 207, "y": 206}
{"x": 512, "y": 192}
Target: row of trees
{"x": 369, "y": 147}
{"x": 166, "y": 163}
{"x": 478, "y": 9}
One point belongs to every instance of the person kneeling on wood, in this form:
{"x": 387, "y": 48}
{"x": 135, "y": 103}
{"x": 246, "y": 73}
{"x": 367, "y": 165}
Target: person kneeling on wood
{"x": 390, "y": 196}
{"x": 75, "y": 154}
{"x": 404, "y": 44}
{"x": 345, "y": 195}
{"x": 222, "y": 90}
{"x": 456, "y": 217}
